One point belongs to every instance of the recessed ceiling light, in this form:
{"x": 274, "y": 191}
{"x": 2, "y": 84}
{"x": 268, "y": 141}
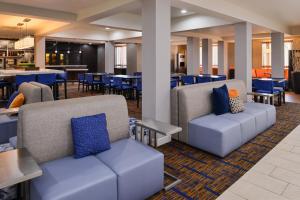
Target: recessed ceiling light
{"x": 90, "y": 43}
{"x": 80, "y": 51}
{"x": 183, "y": 11}
{"x": 107, "y": 28}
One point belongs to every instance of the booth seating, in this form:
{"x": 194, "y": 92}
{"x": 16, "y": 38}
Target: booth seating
{"x": 129, "y": 170}
{"x": 191, "y": 109}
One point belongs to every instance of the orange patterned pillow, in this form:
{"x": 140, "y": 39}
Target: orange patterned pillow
{"x": 18, "y": 101}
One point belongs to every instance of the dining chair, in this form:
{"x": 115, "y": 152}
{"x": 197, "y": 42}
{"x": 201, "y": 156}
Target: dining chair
{"x": 173, "y": 83}
{"x": 120, "y": 87}
{"x": 203, "y": 79}
{"x": 138, "y": 91}
{"x": 107, "y": 83}
{"x": 267, "y": 86}
{"x": 81, "y": 81}
{"x": 90, "y": 82}
{"x": 50, "y": 80}
{"x": 24, "y": 78}
{"x": 61, "y": 78}
{"x": 281, "y": 86}
{"x": 187, "y": 80}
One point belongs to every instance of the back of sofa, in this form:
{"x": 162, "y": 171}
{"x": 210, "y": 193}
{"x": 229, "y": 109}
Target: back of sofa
{"x": 190, "y": 102}
{"x": 45, "y": 128}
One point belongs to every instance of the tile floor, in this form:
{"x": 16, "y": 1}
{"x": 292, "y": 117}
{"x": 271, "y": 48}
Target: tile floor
{"x": 276, "y": 176}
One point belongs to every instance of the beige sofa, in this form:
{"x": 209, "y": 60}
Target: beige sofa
{"x": 192, "y": 110}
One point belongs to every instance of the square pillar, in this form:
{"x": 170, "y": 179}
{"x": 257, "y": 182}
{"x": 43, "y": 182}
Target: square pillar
{"x": 156, "y": 20}
{"x": 207, "y": 56}
{"x": 40, "y": 52}
{"x": 243, "y": 53}
{"x": 131, "y": 58}
{"x": 222, "y": 58}
{"x": 193, "y": 56}
{"x": 277, "y": 55}
{"x": 109, "y": 57}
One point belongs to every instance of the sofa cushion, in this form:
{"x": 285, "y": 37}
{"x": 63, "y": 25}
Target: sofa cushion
{"x": 261, "y": 120}
{"x": 270, "y": 109}
{"x": 90, "y": 135}
{"x": 75, "y": 179}
{"x": 247, "y": 123}
{"x": 220, "y": 100}
{"x": 18, "y": 101}
{"x": 139, "y": 168}
{"x": 215, "y": 134}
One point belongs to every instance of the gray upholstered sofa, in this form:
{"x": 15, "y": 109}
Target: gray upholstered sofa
{"x": 33, "y": 92}
{"x": 220, "y": 135}
{"x": 128, "y": 171}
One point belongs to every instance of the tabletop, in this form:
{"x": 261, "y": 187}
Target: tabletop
{"x": 126, "y": 76}
{"x": 9, "y": 111}
{"x": 161, "y": 127}
{"x": 17, "y": 166}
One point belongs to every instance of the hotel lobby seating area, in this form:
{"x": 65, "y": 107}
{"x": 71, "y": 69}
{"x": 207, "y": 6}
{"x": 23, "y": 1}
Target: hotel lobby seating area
{"x": 149, "y": 100}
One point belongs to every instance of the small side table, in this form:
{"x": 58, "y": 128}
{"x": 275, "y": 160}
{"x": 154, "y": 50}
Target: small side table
{"x": 18, "y": 167}
{"x": 157, "y": 131}
{"x": 264, "y": 97}
{"x": 9, "y": 111}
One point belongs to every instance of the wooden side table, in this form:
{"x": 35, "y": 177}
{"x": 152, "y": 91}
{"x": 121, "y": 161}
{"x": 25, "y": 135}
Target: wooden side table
{"x": 159, "y": 134}
{"x": 18, "y": 167}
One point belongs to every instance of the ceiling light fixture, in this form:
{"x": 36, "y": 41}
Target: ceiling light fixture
{"x": 183, "y": 11}
{"x": 90, "y": 43}
{"x": 27, "y": 41}
{"x": 107, "y": 28}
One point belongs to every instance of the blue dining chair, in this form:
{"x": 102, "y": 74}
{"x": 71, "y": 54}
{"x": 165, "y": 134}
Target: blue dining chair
{"x": 61, "y": 78}
{"x": 107, "y": 83}
{"x": 50, "y": 80}
{"x": 281, "y": 86}
{"x": 138, "y": 91}
{"x": 24, "y": 78}
{"x": 267, "y": 86}
{"x": 173, "y": 83}
{"x": 137, "y": 73}
{"x": 203, "y": 79}
{"x": 81, "y": 81}
{"x": 187, "y": 80}
{"x": 90, "y": 82}
{"x": 220, "y": 78}
{"x": 121, "y": 87}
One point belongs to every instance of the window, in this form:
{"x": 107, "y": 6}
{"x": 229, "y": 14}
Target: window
{"x": 266, "y": 54}
{"x": 121, "y": 56}
{"x": 214, "y": 55}
{"x": 287, "y": 48}
{"x": 267, "y": 57}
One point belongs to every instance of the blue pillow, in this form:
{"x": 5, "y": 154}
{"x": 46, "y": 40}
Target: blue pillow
{"x": 220, "y": 99}
{"x": 90, "y": 135}
{"x": 11, "y": 99}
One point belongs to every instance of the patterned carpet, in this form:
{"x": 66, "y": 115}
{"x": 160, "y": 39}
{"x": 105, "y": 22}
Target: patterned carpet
{"x": 205, "y": 176}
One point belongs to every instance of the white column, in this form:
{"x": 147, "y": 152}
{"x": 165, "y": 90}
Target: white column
{"x": 109, "y": 57}
{"x": 40, "y": 52}
{"x": 243, "y": 53}
{"x": 156, "y": 18}
{"x": 207, "y": 56}
{"x": 277, "y": 55}
{"x": 222, "y": 58}
{"x": 193, "y": 55}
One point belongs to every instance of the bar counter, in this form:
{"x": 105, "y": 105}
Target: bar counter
{"x": 72, "y": 70}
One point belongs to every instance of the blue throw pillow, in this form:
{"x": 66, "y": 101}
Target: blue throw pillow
{"x": 220, "y": 99}
{"x": 90, "y": 135}
{"x": 11, "y": 99}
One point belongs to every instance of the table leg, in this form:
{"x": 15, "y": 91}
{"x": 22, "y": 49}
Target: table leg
{"x": 173, "y": 184}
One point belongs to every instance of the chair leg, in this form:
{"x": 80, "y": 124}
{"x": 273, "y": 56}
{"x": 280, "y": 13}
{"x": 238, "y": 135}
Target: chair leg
{"x": 66, "y": 92}
{"x": 283, "y": 96}
{"x": 78, "y": 86}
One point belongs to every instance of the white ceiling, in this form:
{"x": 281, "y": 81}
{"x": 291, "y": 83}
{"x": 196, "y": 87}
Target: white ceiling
{"x": 286, "y": 11}
{"x": 73, "y": 6}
